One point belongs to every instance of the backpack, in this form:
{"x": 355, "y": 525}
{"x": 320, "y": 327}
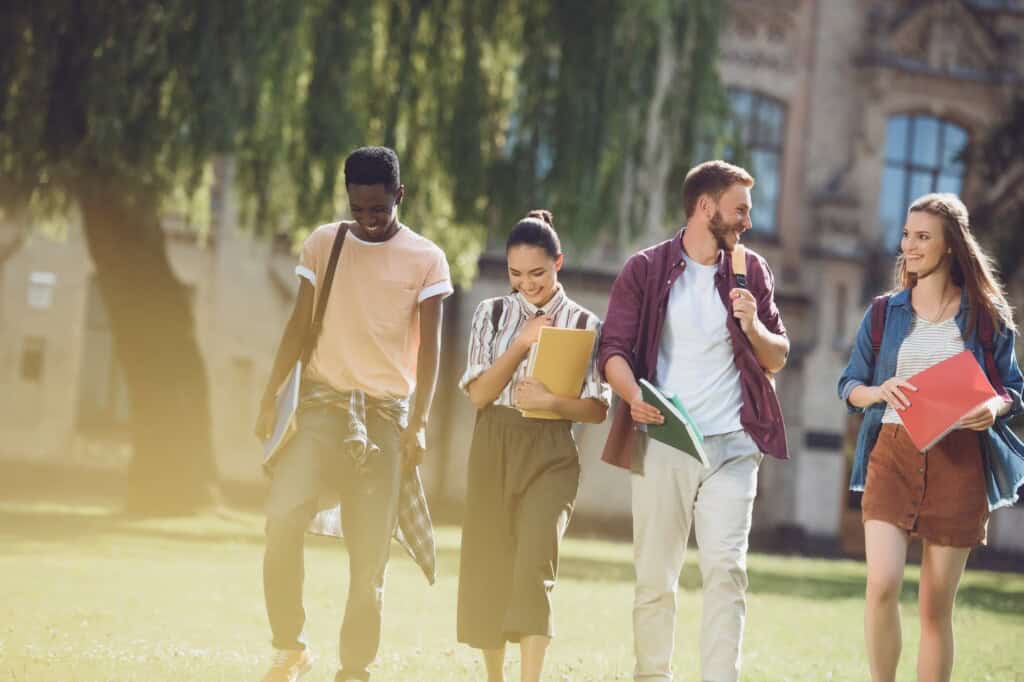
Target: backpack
{"x": 983, "y": 328}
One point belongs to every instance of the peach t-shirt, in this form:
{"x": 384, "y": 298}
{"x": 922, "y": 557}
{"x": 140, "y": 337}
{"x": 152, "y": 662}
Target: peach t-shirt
{"x": 371, "y": 332}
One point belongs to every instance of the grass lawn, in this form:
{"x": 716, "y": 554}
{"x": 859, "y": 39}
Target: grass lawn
{"x": 89, "y": 595}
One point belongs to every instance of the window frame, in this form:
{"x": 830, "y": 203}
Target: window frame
{"x": 908, "y": 167}
{"x": 740, "y": 130}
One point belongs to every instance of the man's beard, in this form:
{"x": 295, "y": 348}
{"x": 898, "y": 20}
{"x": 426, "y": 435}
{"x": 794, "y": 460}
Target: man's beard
{"x": 720, "y": 230}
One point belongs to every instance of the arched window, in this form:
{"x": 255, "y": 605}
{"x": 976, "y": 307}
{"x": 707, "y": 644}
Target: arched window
{"x": 759, "y": 124}
{"x": 922, "y": 155}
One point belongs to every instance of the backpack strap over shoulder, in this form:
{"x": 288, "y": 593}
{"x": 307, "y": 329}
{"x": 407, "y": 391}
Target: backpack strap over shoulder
{"x": 986, "y": 335}
{"x": 317, "y": 325}
{"x": 986, "y": 332}
{"x": 879, "y": 308}
{"x": 497, "y": 308}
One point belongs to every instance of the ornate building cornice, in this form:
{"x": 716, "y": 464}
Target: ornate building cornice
{"x": 950, "y": 39}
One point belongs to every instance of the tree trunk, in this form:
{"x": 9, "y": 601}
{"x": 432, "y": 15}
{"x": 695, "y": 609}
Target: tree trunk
{"x": 153, "y": 327}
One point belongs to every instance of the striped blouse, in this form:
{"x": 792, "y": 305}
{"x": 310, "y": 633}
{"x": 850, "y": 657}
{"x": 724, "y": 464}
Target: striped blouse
{"x": 487, "y": 340}
{"x": 926, "y": 344}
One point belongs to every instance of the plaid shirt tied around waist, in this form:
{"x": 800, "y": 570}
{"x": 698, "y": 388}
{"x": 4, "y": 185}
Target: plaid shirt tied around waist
{"x": 414, "y": 530}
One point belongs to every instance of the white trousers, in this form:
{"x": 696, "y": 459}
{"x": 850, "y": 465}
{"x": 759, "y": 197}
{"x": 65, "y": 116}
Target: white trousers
{"x": 674, "y": 492}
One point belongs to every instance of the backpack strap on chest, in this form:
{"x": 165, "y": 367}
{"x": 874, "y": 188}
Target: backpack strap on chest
{"x": 986, "y": 335}
{"x": 879, "y": 308}
{"x": 497, "y": 308}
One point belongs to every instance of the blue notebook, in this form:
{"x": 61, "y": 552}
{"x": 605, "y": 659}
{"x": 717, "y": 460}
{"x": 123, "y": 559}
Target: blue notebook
{"x": 679, "y": 429}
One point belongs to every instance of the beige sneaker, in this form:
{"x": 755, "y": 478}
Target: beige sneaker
{"x": 289, "y": 665}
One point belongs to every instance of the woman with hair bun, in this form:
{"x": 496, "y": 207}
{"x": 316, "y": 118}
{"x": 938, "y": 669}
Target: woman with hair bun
{"x": 523, "y": 473}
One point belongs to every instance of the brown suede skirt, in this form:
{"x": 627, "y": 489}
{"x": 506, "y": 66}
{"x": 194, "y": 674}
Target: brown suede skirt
{"x": 937, "y": 495}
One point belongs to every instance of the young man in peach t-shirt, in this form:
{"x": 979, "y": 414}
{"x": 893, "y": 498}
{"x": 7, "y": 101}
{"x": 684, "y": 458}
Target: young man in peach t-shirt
{"x": 380, "y": 342}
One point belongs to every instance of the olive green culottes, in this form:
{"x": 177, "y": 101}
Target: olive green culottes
{"x": 523, "y": 478}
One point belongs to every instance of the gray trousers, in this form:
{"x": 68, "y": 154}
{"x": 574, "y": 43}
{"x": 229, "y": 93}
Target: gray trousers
{"x": 369, "y": 499}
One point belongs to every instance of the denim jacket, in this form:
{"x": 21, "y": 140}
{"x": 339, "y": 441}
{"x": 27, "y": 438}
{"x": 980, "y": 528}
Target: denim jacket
{"x": 1002, "y": 451}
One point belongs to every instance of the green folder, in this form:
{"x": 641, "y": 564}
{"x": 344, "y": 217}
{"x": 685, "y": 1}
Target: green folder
{"x": 679, "y": 429}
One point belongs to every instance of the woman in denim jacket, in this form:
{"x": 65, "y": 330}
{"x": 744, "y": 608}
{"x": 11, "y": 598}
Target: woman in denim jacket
{"x": 945, "y": 283}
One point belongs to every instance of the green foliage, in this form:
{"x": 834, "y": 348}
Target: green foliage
{"x": 494, "y": 106}
{"x": 142, "y": 93}
{"x": 497, "y": 107}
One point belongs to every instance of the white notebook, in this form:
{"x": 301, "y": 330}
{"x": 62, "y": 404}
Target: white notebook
{"x": 285, "y": 424}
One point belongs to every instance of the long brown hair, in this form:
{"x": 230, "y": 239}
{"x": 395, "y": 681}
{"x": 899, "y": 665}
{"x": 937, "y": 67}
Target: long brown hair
{"x": 970, "y": 268}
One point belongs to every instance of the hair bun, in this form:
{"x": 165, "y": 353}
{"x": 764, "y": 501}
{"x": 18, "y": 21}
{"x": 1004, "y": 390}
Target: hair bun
{"x": 542, "y": 215}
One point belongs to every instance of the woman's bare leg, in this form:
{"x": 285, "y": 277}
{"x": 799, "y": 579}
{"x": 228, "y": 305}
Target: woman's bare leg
{"x": 532, "y": 649}
{"x": 886, "y": 550}
{"x": 941, "y": 570}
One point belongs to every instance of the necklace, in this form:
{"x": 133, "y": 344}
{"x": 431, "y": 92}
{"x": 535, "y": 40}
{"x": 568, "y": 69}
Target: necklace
{"x": 942, "y": 311}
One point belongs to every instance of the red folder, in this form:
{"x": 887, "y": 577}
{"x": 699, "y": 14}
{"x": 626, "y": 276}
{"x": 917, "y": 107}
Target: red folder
{"x": 946, "y": 393}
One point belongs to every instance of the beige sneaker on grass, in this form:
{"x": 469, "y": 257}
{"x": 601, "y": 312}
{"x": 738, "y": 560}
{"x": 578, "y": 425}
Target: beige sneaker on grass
{"x": 289, "y": 665}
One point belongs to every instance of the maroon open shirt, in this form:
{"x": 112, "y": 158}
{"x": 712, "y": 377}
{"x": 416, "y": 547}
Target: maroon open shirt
{"x": 633, "y": 325}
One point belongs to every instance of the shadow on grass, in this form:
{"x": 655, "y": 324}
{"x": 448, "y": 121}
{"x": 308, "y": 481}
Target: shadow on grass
{"x": 58, "y": 527}
{"x": 67, "y": 527}
{"x": 819, "y": 587}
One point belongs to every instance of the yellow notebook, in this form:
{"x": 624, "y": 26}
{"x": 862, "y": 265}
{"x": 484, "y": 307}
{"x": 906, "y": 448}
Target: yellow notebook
{"x": 560, "y": 360}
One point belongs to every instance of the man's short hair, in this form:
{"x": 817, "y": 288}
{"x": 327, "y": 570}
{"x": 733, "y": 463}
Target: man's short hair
{"x": 713, "y": 178}
{"x": 373, "y": 166}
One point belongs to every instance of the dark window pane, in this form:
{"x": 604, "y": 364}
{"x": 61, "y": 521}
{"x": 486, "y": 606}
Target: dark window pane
{"x": 925, "y": 151}
{"x": 893, "y": 205}
{"x": 741, "y": 105}
{"x": 950, "y": 183}
{"x": 932, "y": 165}
{"x": 740, "y": 102}
{"x": 768, "y": 125}
{"x": 953, "y": 143}
{"x": 920, "y": 184}
{"x": 765, "y": 194}
{"x": 896, "y": 138}
{"x": 755, "y": 140}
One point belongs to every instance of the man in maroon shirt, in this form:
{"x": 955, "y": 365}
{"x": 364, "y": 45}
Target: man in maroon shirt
{"x": 678, "y": 319}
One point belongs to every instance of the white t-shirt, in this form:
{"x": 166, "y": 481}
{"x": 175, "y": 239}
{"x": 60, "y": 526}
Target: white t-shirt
{"x": 695, "y": 355}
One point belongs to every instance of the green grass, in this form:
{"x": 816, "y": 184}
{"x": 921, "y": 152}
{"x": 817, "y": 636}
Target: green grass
{"x": 89, "y": 595}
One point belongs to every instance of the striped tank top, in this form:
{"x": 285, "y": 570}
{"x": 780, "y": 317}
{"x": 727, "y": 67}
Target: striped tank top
{"x": 927, "y": 343}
